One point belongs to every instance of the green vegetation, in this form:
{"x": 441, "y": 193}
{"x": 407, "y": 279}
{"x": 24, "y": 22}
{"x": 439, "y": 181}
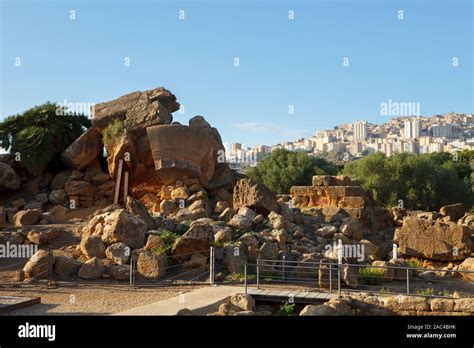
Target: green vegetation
{"x": 371, "y": 275}
{"x": 284, "y": 169}
{"x": 112, "y": 132}
{"x": 425, "y": 182}
{"x": 239, "y": 277}
{"x": 446, "y": 293}
{"x": 287, "y": 309}
{"x": 425, "y": 292}
{"x": 168, "y": 238}
{"x": 414, "y": 263}
{"x": 385, "y": 291}
{"x": 40, "y": 134}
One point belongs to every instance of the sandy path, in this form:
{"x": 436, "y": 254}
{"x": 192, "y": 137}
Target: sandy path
{"x": 91, "y": 299}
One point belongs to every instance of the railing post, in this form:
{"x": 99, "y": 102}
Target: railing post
{"x": 284, "y": 268}
{"x": 50, "y": 267}
{"x": 339, "y": 280}
{"x": 211, "y": 266}
{"x": 408, "y": 281}
{"x": 258, "y": 272}
{"x": 245, "y": 278}
{"x": 330, "y": 278}
{"x": 131, "y": 271}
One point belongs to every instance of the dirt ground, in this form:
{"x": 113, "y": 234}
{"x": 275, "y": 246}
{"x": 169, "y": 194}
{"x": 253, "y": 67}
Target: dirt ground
{"x": 90, "y": 299}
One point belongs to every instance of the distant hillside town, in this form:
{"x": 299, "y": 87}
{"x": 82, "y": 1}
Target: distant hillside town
{"x": 414, "y": 134}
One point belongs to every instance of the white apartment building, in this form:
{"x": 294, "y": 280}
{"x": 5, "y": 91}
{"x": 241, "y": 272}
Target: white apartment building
{"x": 360, "y": 130}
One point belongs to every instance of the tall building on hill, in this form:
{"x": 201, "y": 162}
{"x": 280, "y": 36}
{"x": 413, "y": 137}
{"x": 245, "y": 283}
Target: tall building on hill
{"x": 360, "y": 130}
{"x": 411, "y": 129}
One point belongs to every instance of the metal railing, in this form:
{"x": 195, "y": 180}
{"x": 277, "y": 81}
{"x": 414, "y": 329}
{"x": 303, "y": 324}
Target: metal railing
{"x": 389, "y": 280}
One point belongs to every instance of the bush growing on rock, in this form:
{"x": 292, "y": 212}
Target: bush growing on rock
{"x": 40, "y": 134}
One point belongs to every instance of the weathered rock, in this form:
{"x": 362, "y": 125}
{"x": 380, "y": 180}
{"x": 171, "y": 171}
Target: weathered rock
{"x": 465, "y": 305}
{"x": 441, "y": 305}
{"x": 180, "y": 193}
{"x": 454, "y": 211}
{"x": 244, "y": 302}
{"x": 118, "y": 253}
{"x": 91, "y": 269}
{"x": 327, "y": 274}
{"x": 234, "y": 259}
{"x": 197, "y": 260}
{"x": 433, "y": 240}
{"x": 151, "y": 266}
{"x": 92, "y": 246}
{"x": 247, "y": 193}
{"x": 41, "y": 237}
{"x": 9, "y": 180}
{"x": 197, "y": 239}
{"x": 407, "y": 303}
{"x": 223, "y": 235}
{"x": 277, "y": 221}
{"x": 183, "y": 151}
{"x": 321, "y": 310}
{"x": 84, "y": 150}
{"x": 388, "y": 272}
{"x": 227, "y": 214}
{"x": 467, "y": 265}
{"x": 59, "y": 180}
{"x": 121, "y": 226}
{"x": 135, "y": 207}
{"x": 120, "y": 272}
{"x": 66, "y": 267}
{"x": 352, "y": 229}
{"x": 247, "y": 212}
{"x": 371, "y": 250}
{"x": 167, "y": 207}
{"x": 241, "y": 222}
{"x": 154, "y": 242}
{"x": 122, "y": 147}
{"x": 27, "y": 217}
{"x": 58, "y": 197}
{"x": 269, "y": 250}
{"x": 37, "y": 265}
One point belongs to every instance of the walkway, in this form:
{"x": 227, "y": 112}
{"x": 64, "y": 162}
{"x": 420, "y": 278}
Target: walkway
{"x": 200, "y": 298}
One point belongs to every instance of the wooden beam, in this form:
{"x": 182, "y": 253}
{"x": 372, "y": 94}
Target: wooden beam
{"x": 117, "y": 182}
{"x": 125, "y": 186}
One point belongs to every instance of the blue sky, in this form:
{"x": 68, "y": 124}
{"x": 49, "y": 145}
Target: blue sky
{"x": 283, "y": 62}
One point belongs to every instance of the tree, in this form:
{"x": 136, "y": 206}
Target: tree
{"x": 284, "y": 169}
{"x": 421, "y": 181}
{"x": 40, "y": 134}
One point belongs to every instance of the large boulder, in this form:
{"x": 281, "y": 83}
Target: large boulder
{"x": 118, "y": 253}
{"x": 437, "y": 240}
{"x": 151, "y": 266}
{"x": 248, "y": 193}
{"x": 41, "y": 237}
{"x": 467, "y": 265}
{"x": 182, "y": 151}
{"x": 27, "y": 217}
{"x": 135, "y": 207}
{"x": 138, "y": 110}
{"x": 121, "y": 226}
{"x": 9, "y": 180}
{"x": 197, "y": 239}
{"x": 454, "y": 211}
{"x": 91, "y": 269}
{"x": 84, "y": 150}
{"x": 37, "y": 265}
{"x": 92, "y": 246}
{"x": 66, "y": 267}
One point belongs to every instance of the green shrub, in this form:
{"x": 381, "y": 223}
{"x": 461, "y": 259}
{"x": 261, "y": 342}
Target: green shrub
{"x": 284, "y": 169}
{"x": 239, "y": 277}
{"x": 425, "y": 292}
{"x": 371, "y": 275}
{"x": 41, "y": 134}
{"x": 113, "y": 131}
{"x": 287, "y": 309}
{"x": 414, "y": 263}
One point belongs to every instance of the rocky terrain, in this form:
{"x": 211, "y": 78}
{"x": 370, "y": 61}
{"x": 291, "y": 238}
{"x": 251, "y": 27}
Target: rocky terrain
{"x": 182, "y": 198}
